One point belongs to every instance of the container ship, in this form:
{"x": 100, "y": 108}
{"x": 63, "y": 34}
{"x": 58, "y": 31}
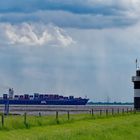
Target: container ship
{"x": 40, "y": 99}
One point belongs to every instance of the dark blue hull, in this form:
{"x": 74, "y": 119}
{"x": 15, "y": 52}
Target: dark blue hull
{"x": 45, "y": 102}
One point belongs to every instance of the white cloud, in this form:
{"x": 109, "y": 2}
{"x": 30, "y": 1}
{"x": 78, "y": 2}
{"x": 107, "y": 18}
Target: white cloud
{"x": 35, "y": 35}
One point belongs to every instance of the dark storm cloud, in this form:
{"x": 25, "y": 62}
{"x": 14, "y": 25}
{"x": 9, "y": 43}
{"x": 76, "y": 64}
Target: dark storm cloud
{"x": 75, "y": 14}
{"x": 78, "y": 6}
{"x": 106, "y": 7}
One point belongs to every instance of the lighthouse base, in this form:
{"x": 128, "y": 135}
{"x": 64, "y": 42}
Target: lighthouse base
{"x": 137, "y": 103}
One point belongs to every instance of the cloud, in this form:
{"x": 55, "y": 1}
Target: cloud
{"x": 65, "y": 19}
{"x": 77, "y": 6}
{"x": 34, "y": 35}
{"x": 78, "y": 14}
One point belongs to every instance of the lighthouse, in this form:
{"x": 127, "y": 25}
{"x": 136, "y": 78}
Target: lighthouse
{"x": 136, "y": 81}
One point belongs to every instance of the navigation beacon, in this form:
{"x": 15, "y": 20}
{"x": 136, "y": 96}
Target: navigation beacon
{"x": 136, "y": 81}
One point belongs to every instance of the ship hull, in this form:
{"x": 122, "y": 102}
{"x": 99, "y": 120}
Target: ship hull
{"x": 45, "y": 102}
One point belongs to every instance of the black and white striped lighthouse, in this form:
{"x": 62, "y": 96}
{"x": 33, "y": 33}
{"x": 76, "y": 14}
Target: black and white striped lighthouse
{"x": 136, "y": 80}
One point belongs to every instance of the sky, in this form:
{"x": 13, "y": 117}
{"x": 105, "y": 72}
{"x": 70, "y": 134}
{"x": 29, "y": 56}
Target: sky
{"x": 81, "y": 48}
